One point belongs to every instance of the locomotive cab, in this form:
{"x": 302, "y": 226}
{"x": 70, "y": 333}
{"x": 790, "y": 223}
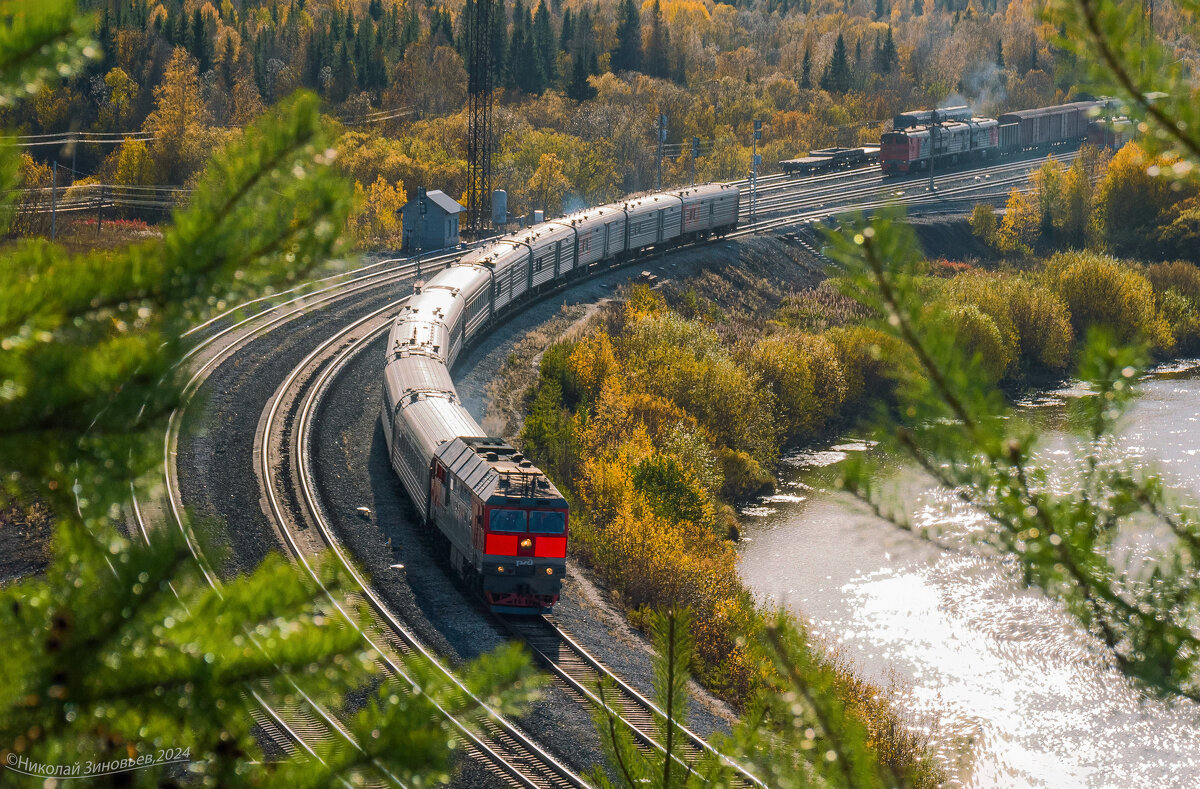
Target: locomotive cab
{"x": 505, "y": 521}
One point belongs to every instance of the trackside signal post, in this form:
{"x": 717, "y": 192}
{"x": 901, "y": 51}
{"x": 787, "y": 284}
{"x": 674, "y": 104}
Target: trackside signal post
{"x": 754, "y": 162}
{"x": 662, "y": 138}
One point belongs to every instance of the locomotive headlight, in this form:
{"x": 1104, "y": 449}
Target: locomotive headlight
{"x": 549, "y": 571}
{"x": 526, "y": 544}
{"x": 499, "y": 568}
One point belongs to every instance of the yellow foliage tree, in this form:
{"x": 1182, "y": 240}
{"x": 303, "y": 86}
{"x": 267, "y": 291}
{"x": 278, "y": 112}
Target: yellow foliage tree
{"x": 593, "y": 362}
{"x": 182, "y": 135}
{"x": 1021, "y": 225}
{"x": 376, "y": 219}
{"x": 549, "y": 184}
{"x": 122, "y": 97}
{"x": 134, "y": 165}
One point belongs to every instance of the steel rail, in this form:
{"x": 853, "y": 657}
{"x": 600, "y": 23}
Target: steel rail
{"x": 638, "y": 720}
{"x": 557, "y": 774}
{"x": 357, "y": 281}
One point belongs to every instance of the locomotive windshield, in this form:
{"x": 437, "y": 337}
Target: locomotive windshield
{"x": 508, "y": 520}
{"x": 544, "y": 522}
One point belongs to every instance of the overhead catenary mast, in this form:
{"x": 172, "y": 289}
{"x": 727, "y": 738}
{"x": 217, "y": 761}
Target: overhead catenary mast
{"x": 479, "y": 115}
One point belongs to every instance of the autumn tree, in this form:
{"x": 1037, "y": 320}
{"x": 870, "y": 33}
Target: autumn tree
{"x": 432, "y": 79}
{"x": 179, "y": 123}
{"x": 376, "y": 218}
{"x": 134, "y": 165}
{"x": 549, "y": 185}
{"x": 117, "y": 113}
{"x": 1021, "y": 226}
{"x": 1132, "y": 197}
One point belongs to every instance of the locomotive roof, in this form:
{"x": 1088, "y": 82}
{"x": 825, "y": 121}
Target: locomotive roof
{"x": 498, "y": 473}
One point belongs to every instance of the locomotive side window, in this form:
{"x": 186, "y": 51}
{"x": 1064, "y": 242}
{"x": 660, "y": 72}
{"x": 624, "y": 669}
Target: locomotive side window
{"x": 547, "y": 522}
{"x": 508, "y": 520}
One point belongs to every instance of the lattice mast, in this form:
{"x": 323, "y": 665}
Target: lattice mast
{"x": 480, "y": 70}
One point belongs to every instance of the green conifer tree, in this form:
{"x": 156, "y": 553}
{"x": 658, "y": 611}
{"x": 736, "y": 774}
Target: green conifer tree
{"x": 545, "y": 44}
{"x": 655, "y": 56}
{"x": 567, "y": 38}
{"x": 885, "y": 54}
{"x": 837, "y": 76}
{"x": 627, "y": 56}
{"x": 124, "y": 647}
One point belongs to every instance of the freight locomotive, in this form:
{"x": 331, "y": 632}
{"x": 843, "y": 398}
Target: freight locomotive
{"x": 504, "y": 522}
{"x": 953, "y": 134}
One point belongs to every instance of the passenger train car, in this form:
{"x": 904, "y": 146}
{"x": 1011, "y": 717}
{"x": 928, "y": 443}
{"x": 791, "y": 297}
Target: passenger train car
{"x": 505, "y": 523}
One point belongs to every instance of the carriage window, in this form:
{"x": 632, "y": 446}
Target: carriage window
{"x": 508, "y": 520}
{"x": 547, "y": 522}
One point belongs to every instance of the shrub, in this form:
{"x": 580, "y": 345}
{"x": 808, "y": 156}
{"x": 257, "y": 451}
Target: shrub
{"x": 983, "y": 222}
{"x": 987, "y": 293}
{"x": 1033, "y": 321}
{"x": 1179, "y": 276}
{"x": 784, "y": 366}
{"x": 744, "y": 476}
{"x": 685, "y": 362}
{"x": 1043, "y": 323}
{"x": 1183, "y": 317}
{"x": 872, "y": 363}
{"x": 975, "y": 333}
{"x": 671, "y": 490}
{"x": 1099, "y": 291}
{"x": 829, "y": 382}
{"x": 1180, "y": 234}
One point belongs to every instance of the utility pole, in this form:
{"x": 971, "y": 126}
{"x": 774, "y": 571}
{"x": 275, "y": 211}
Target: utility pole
{"x": 933, "y": 127}
{"x": 53, "y": 199}
{"x": 754, "y": 170}
{"x": 662, "y": 138}
{"x": 695, "y": 155}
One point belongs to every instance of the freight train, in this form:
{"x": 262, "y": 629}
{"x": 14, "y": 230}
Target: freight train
{"x": 503, "y": 522}
{"x": 829, "y": 159}
{"x": 953, "y": 134}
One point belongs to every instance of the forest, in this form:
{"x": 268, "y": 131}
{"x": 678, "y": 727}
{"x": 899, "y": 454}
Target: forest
{"x": 580, "y": 86}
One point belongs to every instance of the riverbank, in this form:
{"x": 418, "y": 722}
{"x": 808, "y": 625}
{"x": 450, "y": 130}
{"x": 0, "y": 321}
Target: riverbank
{"x": 1011, "y": 678}
{"x": 678, "y": 398}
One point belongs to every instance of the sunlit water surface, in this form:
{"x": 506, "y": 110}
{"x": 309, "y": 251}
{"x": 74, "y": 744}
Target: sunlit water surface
{"x": 1020, "y": 694}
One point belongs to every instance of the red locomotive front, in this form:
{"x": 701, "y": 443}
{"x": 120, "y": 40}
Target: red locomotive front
{"x": 505, "y": 521}
{"x": 902, "y": 151}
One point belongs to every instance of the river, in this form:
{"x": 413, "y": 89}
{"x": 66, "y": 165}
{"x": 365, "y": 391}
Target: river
{"x": 1018, "y": 691}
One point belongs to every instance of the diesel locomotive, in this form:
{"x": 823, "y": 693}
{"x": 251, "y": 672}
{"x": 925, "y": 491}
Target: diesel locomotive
{"x": 504, "y": 523}
{"x": 953, "y": 134}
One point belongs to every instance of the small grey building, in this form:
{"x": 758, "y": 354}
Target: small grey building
{"x": 430, "y": 221}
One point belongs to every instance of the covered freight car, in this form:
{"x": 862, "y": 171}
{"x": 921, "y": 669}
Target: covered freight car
{"x": 1048, "y": 126}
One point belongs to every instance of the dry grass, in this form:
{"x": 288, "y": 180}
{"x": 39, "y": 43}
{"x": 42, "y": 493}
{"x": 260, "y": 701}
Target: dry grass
{"x": 508, "y": 392}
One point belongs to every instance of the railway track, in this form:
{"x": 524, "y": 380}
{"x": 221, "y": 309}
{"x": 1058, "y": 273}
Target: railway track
{"x": 303, "y": 725}
{"x": 511, "y": 754}
{"x": 582, "y": 674}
